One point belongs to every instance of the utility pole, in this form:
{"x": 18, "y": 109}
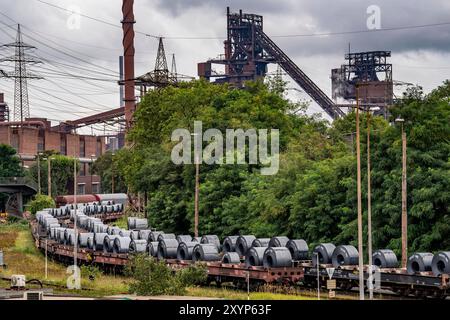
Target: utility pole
{"x": 369, "y": 209}
{"x": 38, "y": 172}
{"x": 358, "y": 183}
{"x": 197, "y": 187}
{"x": 404, "y": 211}
{"x": 49, "y": 176}
{"x": 112, "y": 173}
{"x": 75, "y": 245}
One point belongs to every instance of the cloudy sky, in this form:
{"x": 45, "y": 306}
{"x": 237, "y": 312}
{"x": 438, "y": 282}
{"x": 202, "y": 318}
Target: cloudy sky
{"x": 420, "y": 55}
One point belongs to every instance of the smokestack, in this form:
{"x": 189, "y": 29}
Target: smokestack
{"x": 128, "y": 52}
{"x": 121, "y": 103}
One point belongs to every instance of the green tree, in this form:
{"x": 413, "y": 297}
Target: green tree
{"x": 9, "y": 162}
{"x": 106, "y": 167}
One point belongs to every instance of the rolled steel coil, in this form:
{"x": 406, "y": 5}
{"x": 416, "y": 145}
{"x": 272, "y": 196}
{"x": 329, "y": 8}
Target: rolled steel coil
{"x": 152, "y": 248}
{"x": 167, "y": 249}
{"x": 184, "y": 238}
{"x": 441, "y": 263}
{"x": 52, "y": 232}
{"x": 280, "y": 241}
{"x": 90, "y": 242}
{"x": 52, "y": 226}
{"x": 115, "y": 231}
{"x": 137, "y": 246}
{"x": 67, "y": 233}
{"x": 299, "y": 249}
{"x": 211, "y": 239}
{"x": 99, "y": 239}
{"x": 134, "y": 235}
{"x": 419, "y": 262}
{"x": 197, "y": 239}
{"x": 71, "y": 239}
{"x": 137, "y": 223}
{"x": 121, "y": 244}
{"x": 255, "y": 256}
{"x": 185, "y": 249}
{"x": 108, "y": 243}
{"x": 60, "y": 235}
{"x": 261, "y": 242}
{"x": 83, "y": 239}
{"x": 229, "y": 244}
{"x": 243, "y": 243}
{"x": 324, "y": 252}
{"x": 277, "y": 257}
{"x": 125, "y": 233}
{"x": 144, "y": 234}
{"x": 154, "y": 236}
{"x": 166, "y": 236}
{"x": 384, "y": 258}
{"x": 344, "y": 255}
{"x": 205, "y": 252}
{"x": 231, "y": 258}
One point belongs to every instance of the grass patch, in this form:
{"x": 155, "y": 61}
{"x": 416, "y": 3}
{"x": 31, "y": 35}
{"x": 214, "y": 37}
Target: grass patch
{"x": 233, "y": 294}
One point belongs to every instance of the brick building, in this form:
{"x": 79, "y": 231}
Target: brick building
{"x": 36, "y": 135}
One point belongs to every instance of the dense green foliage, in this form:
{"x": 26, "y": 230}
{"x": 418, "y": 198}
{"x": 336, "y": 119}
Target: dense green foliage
{"x": 40, "y": 202}
{"x": 105, "y": 166}
{"x": 152, "y": 277}
{"x": 61, "y": 172}
{"x": 313, "y": 196}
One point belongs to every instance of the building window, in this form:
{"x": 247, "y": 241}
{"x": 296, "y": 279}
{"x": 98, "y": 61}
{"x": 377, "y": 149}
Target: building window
{"x": 81, "y": 189}
{"x": 95, "y": 188}
{"x": 82, "y": 147}
{"x": 82, "y": 169}
{"x": 41, "y": 141}
{"x": 98, "y": 149}
{"x": 63, "y": 144}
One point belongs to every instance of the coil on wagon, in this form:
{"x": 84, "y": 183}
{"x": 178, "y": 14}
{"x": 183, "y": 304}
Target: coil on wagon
{"x": 299, "y": 249}
{"x": 212, "y": 239}
{"x": 441, "y": 263}
{"x": 229, "y": 244}
{"x": 166, "y": 236}
{"x": 345, "y": 255}
{"x": 231, "y": 258}
{"x": 122, "y": 244}
{"x": 167, "y": 249}
{"x": 185, "y": 249}
{"x": 152, "y": 248}
{"x": 261, "y": 242}
{"x": 154, "y": 235}
{"x": 277, "y": 257}
{"x": 137, "y": 246}
{"x": 385, "y": 258}
{"x": 243, "y": 243}
{"x": 255, "y": 256}
{"x": 419, "y": 262}
{"x": 99, "y": 239}
{"x": 280, "y": 241}
{"x": 184, "y": 238}
{"x": 205, "y": 252}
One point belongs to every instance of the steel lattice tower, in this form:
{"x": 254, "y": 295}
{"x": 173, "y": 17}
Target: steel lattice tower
{"x": 21, "y": 59}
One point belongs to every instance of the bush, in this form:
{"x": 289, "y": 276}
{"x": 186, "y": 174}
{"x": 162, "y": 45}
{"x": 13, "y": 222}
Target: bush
{"x": 152, "y": 277}
{"x": 40, "y": 202}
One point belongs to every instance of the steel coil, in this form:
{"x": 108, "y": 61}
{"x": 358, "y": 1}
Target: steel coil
{"x": 231, "y": 258}
{"x": 299, "y": 249}
{"x": 205, "y": 252}
{"x": 166, "y": 236}
{"x": 212, "y": 239}
{"x": 229, "y": 244}
{"x": 345, "y": 255}
{"x": 277, "y": 257}
{"x": 441, "y": 263}
{"x": 243, "y": 243}
{"x": 137, "y": 246}
{"x": 255, "y": 256}
{"x": 167, "y": 249}
{"x": 154, "y": 235}
{"x": 134, "y": 235}
{"x": 121, "y": 244}
{"x": 384, "y": 258}
{"x": 99, "y": 239}
{"x": 152, "y": 248}
{"x": 280, "y": 241}
{"x": 83, "y": 239}
{"x": 125, "y": 233}
{"x": 144, "y": 235}
{"x": 261, "y": 242}
{"x": 108, "y": 243}
{"x": 90, "y": 242}
{"x": 324, "y": 252}
{"x": 419, "y": 262}
{"x": 184, "y": 238}
{"x": 185, "y": 249}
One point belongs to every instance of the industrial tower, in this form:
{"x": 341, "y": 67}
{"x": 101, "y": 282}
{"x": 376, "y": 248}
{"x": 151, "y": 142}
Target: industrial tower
{"x": 21, "y": 59}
